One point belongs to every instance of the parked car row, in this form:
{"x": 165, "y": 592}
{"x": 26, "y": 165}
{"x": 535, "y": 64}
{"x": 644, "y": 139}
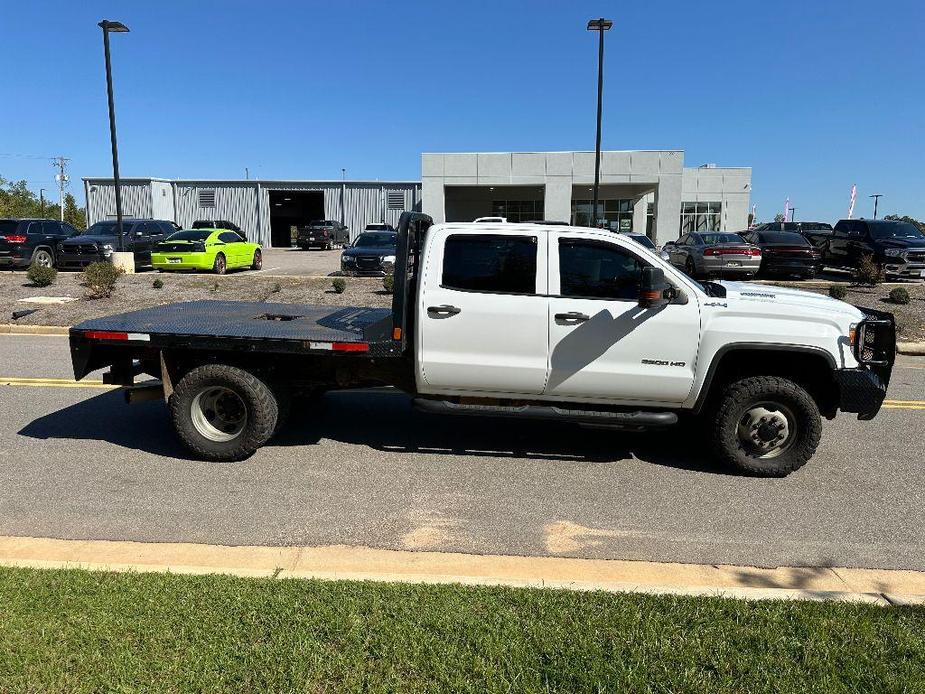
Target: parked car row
{"x": 802, "y": 249}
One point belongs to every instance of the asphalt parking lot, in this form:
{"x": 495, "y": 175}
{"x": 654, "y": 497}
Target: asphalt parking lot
{"x": 364, "y": 469}
{"x": 295, "y": 261}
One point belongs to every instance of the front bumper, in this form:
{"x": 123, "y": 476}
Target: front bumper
{"x": 71, "y": 261}
{"x": 182, "y": 261}
{"x": 367, "y": 267}
{"x": 862, "y": 390}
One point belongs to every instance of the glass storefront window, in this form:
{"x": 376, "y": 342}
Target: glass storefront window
{"x": 518, "y": 210}
{"x": 616, "y": 213}
{"x": 701, "y": 216}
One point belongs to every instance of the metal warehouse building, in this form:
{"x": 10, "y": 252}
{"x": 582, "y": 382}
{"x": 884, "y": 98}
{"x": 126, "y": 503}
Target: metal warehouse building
{"x": 265, "y": 210}
{"x": 649, "y": 192}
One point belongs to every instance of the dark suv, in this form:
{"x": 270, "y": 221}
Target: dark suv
{"x": 817, "y": 233}
{"x": 897, "y": 247}
{"x": 27, "y": 241}
{"x": 100, "y": 241}
{"x": 219, "y": 224}
{"x": 322, "y": 233}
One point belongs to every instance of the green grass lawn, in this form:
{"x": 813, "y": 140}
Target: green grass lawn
{"x": 72, "y": 630}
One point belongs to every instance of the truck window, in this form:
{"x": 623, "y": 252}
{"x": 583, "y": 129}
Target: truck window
{"x": 597, "y": 270}
{"x": 490, "y": 263}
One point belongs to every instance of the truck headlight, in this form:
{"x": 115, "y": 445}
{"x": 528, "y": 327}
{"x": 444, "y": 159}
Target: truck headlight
{"x": 106, "y": 248}
{"x": 388, "y": 259}
{"x": 346, "y": 258}
{"x": 895, "y": 252}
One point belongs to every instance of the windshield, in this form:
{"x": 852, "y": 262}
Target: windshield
{"x": 643, "y": 240}
{"x": 104, "y": 229}
{"x": 716, "y": 239}
{"x": 190, "y": 235}
{"x": 375, "y": 239}
{"x": 896, "y": 230}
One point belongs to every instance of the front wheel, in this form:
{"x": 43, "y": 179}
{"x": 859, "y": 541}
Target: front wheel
{"x": 223, "y": 413}
{"x": 766, "y": 426}
{"x": 690, "y": 268}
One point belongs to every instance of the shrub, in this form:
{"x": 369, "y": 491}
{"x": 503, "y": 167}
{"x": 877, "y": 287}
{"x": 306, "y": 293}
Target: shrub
{"x": 41, "y": 276}
{"x": 388, "y": 283}
{"x": 215, "y": 286}
{"x": 339, "y": 284}
{"x": 899, "y": 295}
{"x": 837, "y": 291}
{"x": 158, "y": 283}
{"x": 100, "y": 279}
{"x": 276, "y": 288}
{"x": 869, "y": 273}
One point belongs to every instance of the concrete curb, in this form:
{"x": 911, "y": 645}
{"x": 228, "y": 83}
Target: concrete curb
{"x": 12, "y": 329}
{"x": 341, "y": 562}
{"x": 911, "y": 348}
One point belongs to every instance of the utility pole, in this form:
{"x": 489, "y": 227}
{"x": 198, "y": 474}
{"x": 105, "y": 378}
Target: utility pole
{"x": 793, "y": 214}
{"x": 62, "y": 178}
{"x": 600, "y": 26}
{"x": 42, "y": 199}
{"x": 876, "y": 197}
{"x": 343, "y": 196}
{"x": 247, "y": 174}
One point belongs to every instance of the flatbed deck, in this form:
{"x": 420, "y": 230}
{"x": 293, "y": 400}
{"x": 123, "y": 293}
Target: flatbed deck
{"x": 247, "y": 320}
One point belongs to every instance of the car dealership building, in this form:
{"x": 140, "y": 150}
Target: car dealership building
{"x": 648, "y": 192}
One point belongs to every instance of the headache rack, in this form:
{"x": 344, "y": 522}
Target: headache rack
{"x": 875, "y": 342}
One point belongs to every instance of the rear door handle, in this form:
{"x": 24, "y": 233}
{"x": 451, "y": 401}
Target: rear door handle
{"x": 574, "y": 316}
{"x": 444, "y": 310}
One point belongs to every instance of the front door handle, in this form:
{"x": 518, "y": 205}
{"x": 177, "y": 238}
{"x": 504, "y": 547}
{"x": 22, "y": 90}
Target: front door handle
{"x": 573, "y": 316}
{"x": 444, "y": 310}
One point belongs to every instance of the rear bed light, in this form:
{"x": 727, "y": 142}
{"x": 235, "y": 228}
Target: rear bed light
{"x": 113, "y": 335}
{"x": 340, "y": 346}
{"x": 14, "y": 238}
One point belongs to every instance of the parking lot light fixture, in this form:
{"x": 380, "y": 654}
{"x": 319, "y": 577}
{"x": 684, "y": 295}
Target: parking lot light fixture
{"x": 118, "y": 27}
{"x": 599, "y": 25}
{"x": 876, "y": 197}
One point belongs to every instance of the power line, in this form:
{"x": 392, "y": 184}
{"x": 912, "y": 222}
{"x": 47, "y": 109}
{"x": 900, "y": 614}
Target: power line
{"x": 10, "y": 155}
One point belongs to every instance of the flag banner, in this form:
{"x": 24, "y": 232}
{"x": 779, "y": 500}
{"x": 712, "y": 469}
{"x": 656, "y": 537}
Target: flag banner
{"x": 854, "y": 197}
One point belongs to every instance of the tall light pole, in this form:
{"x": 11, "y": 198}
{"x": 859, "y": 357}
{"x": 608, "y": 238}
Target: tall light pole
{"x": 876, "y": 197}
{"x": 118, "y": 27}
{"x": 793, "y": 214}
{"x": 343, "y": 196}
{"x": 599, "y": 25}
{"x": 42, "y": 198}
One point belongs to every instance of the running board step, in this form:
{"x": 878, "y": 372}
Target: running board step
{"x": 636, "y": 419}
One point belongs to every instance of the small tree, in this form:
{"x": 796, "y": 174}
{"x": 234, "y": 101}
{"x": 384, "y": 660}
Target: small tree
{"x": 837, "y": 291}
{"x": 779, "y": 217}
{"x": 41, "y": 276}
{"x": 869, "y": 273}
{"x": 388, "y": 283}
{"x": 900, "y": 295}
{"x": 100, "y": 279}
{"x": 339, "y": 284}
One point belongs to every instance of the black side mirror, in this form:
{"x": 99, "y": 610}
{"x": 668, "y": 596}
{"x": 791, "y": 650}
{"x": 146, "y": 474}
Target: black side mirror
{"x": 652, "y": 288}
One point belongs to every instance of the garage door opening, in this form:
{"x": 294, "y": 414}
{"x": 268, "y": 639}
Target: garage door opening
{"x": 515, "y": 203}
{"x": 288, "y": 209}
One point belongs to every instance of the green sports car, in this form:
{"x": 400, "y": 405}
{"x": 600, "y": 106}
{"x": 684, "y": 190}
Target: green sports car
{"x": 217, "y": 250}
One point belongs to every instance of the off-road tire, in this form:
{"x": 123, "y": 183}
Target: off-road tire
{"x": 257, "y": 263}
{"x": 259, "y": 400}
{"x": 220, "y": 266}
{"x": 733, "y": 403}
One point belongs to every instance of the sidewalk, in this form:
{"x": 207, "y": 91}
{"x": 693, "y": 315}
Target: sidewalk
{"x": 342, "y": 562}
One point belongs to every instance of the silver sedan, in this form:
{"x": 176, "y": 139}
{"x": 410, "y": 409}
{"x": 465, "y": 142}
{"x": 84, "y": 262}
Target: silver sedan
{"x": 714, "y": 253}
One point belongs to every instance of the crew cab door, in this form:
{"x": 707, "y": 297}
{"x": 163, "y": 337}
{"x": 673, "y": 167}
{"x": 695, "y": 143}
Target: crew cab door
{"x": 482, "y": 313}
{"x": 602, "y": 345}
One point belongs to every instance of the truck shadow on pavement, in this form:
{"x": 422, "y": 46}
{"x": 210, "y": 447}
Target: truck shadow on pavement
{"x": 383, "y": 420}
{"x": 106, "y": 417}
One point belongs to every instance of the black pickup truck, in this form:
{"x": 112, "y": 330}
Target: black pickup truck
{"x": 897, "y": 247}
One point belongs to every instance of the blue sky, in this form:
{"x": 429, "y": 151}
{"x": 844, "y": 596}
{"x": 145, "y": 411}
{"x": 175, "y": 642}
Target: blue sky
{"x": 814, "y": 95}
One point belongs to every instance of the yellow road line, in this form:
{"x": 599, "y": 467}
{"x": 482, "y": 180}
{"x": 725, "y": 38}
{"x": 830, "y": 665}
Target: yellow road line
{"x": 51, "y": 382}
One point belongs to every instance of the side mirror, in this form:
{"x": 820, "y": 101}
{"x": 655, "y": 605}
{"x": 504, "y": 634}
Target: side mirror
{"x": 652, "y": 288}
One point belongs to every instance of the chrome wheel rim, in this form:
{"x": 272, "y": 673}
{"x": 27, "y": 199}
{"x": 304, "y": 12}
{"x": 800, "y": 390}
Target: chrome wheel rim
{"x": 43, "y": 259}
{"x": 218, "y": 414}
{"x": 766, "y": 430}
